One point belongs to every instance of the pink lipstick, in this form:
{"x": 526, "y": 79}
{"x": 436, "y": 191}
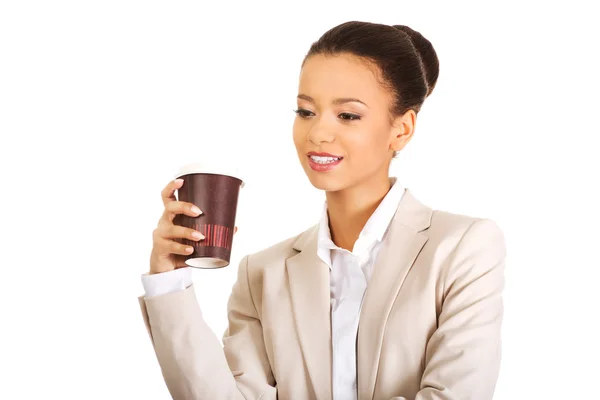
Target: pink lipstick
{"x": 323, "y": 162}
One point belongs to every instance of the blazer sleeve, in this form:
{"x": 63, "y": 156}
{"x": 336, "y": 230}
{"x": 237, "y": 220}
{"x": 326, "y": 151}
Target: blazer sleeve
{"x": 463, "y": 354}
{"x": 193, "y": 362}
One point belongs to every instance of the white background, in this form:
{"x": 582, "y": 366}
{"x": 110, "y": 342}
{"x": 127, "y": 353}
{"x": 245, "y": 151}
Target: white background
{"x": 101, "y": 101}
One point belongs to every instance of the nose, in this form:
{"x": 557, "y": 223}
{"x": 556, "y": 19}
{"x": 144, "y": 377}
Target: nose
{"x": 321, "y": 132}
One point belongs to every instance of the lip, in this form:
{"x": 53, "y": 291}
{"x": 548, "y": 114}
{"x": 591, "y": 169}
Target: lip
{"x": 323, "y": 167}
{"x": 313, "y": 153}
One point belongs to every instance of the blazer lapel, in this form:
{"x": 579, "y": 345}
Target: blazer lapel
{"x": 397, "y": 255}
{"x": 310, "y": 295}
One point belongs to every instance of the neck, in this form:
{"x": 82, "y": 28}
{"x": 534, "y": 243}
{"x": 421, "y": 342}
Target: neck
{"x": 350, "y": 209}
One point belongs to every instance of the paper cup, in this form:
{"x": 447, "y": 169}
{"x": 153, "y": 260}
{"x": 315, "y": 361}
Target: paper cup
{"x": 215, "y": 190}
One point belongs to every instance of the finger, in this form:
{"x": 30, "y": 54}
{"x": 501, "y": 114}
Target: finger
{"x": 166, "y": 247}
{"x": 181, "y": 232}
{"x": 179, "y": 260}
{"x": 168, "y": 193}
{"x": 181, "y": 207}
{"x": 235, "y": 230}
{"x": 169, "y": 231}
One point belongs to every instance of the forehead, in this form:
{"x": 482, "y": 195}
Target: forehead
{"x": 342, "y": 75}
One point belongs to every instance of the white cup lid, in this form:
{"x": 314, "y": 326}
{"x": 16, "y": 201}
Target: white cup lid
{"x": 209, "y": 168}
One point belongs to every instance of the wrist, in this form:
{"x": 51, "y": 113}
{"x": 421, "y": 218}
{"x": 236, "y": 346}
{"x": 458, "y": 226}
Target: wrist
{"x": 154, "y": 272}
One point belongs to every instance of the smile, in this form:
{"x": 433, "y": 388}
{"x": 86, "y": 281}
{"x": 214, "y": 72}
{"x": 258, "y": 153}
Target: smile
{"x": 324, "y": 160}
{"x": 323, "y": 163}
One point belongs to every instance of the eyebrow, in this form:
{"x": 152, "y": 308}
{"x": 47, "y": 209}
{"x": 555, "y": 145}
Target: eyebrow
{"x": 339, "y": 101}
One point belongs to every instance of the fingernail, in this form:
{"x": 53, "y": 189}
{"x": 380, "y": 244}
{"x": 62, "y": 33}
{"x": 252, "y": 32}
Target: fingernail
{"x": 196, "y": 210}
{"x": 197, "y": 235}
{"x": 179, "y": 180}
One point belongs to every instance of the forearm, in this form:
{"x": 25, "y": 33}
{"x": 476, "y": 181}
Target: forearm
{"x": 190, "y": 355}
{"x": 194, "y": 363}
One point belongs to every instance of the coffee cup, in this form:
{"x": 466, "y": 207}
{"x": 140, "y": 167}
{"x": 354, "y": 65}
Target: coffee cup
{"x": 215, "y": 190}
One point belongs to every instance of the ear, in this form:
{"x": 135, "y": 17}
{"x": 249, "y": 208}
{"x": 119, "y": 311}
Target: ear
{"x": 403, "y": 128}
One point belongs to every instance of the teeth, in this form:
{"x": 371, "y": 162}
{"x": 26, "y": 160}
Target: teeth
{"x": 324, "y": 160}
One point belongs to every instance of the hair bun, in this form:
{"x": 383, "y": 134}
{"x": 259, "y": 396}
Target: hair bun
{"x": 426, "y": 53}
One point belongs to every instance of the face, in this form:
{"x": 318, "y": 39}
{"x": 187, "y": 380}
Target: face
{"x": 343, "y": 132}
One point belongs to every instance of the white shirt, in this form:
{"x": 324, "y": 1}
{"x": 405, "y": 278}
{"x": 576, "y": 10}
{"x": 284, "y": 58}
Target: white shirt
{"x": 350, "y": 273}
{"x": 349, "y": 276}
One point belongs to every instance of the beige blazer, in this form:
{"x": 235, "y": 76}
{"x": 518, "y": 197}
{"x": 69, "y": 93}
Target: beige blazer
{"x": 429, "y": 326}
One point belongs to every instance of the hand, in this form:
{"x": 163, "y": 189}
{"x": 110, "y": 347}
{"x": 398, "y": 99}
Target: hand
{"x": 167, "y": 254}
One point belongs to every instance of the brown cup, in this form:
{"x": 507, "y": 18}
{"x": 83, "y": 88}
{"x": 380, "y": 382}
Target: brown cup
{"x": 216, "y": 194}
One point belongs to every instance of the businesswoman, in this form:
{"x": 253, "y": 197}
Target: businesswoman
{"x": 383, "y": 298}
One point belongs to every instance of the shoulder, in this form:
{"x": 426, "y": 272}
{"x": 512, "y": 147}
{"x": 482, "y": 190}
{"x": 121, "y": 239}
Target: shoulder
{"x": 450, "y": 225}
{"x": 461, "y": 248}
{"x": 280, "y": 251}
{"x": 271, "y": 260}
{"x": 443, "y": 226}
{"x": 454, "y": 236}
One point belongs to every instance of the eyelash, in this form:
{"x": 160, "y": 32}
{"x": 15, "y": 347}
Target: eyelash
{"x": 350, "y": 117}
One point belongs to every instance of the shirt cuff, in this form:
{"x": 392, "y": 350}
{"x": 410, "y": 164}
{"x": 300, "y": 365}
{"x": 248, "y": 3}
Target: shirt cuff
{"x": 167, "y": 282}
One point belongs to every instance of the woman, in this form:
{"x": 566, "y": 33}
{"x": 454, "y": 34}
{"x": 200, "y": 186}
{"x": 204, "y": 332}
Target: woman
{"x": 302, "y": 324}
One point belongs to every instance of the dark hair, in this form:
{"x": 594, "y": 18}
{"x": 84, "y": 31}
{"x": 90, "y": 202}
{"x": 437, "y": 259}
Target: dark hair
{"x": 407, "y": 62}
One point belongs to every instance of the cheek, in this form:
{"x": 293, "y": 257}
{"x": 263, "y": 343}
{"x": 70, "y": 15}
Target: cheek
{"x": 295, "y": 135}
{"x": 370, "y": 142}
{"x": 298, "y": 134}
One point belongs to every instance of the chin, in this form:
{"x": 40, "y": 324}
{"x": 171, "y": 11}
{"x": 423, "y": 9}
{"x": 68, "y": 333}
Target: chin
{"x": 328, "y": 182}
{"x": 331, "y": 181}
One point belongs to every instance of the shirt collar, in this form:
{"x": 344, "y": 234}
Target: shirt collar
{"x": 373, "y": 231}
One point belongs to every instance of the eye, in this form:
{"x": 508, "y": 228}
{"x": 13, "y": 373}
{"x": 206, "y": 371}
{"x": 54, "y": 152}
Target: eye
{"x": 302, "y": 113}
{"x": 349, "y": 116}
